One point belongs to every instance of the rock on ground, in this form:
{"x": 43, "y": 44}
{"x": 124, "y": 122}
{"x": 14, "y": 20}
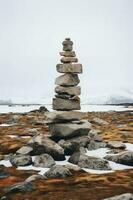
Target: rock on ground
{"x": 58, "y": 171}
{"x": 93, "y": 145}
{"x": 20, "y": 187}
{"x": 44, "y": 160}
{"x": 89, "y": 162}
{"x": 25, "y": 150}
{"x": 99, "y": 121}
{"x": 126, "y": 196}
{"x": 34, "y": 177}
{"x": 116, "y": 145}
{"x": 69, "y": 147}
{"x": 20, "y": 160}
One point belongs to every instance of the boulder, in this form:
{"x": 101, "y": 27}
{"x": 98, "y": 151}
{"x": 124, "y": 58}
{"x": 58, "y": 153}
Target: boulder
{"x": 66, "y": 104}
{"x": 126, "y": 196}
{"x": 75, "y": 91}
{"x": 69, "y": 68}
{"x": 67, "y": 80}
{"x": 93, "y": 145}
{"x": 25, "y": 150}
{"x": 81, "y": 141}
{"x": 44, "y": 160}
{"x": 69, "y": 147}
{"x": 64, "y": 116}
{"x": 34, "y": 177}
{"x": 89, "y": 162}
{"x": 116, "y": 145}
{"x": 20, "y": 160}
{"x": 68, "y": 59}
{"x": 125, "y": 158}
{"x": 58, "y": 171}
{"x": 20, "y": 187}
{"x": 42, "y": 144}
{"x": 69, "y": 130}
{"x": 68, "y": 53}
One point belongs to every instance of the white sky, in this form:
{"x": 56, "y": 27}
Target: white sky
{"x": 31, "y": 33}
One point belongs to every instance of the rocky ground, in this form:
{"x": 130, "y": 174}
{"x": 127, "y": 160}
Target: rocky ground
{"x": 71, "y": 183}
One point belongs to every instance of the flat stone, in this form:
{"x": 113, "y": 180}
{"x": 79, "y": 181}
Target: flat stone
{"x": 89, "y": 162}
{"x": 62, "y": 116}
{"x": 81, "y": 141}
{"x": 34, "y": 177}
{"x": 68, "y": 53}
{"x": 126, "y": 196}
{"x": 66, "y": 104}
{"x": 68, "y": 130}
{"x": 116, "y": 145}
{"x": 68, "y": 90}
{"x": 69, "y": 68}
{"x": 67, "y": 80}
{"x": 68, "y": 59}
{"x": 20, "y": 160}
{"x": 64, "y": 96}
{"x": 25, "y": 150}
{"x": 44, "y": 160}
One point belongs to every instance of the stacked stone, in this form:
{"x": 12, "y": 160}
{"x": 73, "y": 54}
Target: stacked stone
{"x": 67, "y": 91}
{"x": 66, "y": 122}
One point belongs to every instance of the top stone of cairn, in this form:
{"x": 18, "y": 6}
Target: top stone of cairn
{"x": 67, "y": 44}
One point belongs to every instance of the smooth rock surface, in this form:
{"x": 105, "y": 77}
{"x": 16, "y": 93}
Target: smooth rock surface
{"x": 42, "y": 144}
{"x": 66, "y": 104}
{"x": 69, "y": 68}
{"x": 58, "y": 171}
{"x": 75, "y": 91}
{"x": 89, "y": 162}
{"x": 67, "y": 80}
{"x": 69, "y": 130}
{"x": 125, "y": 158}
{"x": 68, "y": 59}
{"x": 126, "y": 196}
{"x": 34, "y": 177}
{"x": 68, "y": 53}
{"x": 20, "y": 160}
{"x": 62, "y": 116}
{"x": 44, "y": 160}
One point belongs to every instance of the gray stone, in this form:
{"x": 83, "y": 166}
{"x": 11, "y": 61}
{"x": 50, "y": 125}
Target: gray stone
{"x": 69, "y": 68}
{"x": 58, "y": 171}
{"x": 20, "y": 160}
{"x": 42, "y": 144}
{"x": 125, "y": 158}
{"x": 25, "y": 150}
{"x": 75, "y": 91}
{"x": 68, "y": 53}
{"x": 89, "y": 162}
{"x": 93, "y": 145}
{"x": 73, "y": 167}
{"x": 126, "y": 196}
{"x": 44, "y": 160}
{"x": 81, "y": 141}
{"x": 20, "y": 187}
{"x": 68, "y": 59}
{"x": 34, "y": 177}
{"x": 67, "y": 45}
{"x": 116, "y": 145}
{"x": 68, "y": 130}
{"x": 62, "y": 116}
{"x": 67, "y": 80}
{"x": 66, "y": 104}
{"x": 64, "y": 96}
{"x": 69, "y": 147}
{"x": 99, "y": 121}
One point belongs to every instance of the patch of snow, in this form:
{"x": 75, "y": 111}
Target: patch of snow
{"x": 6, "y": 124}
{"x": 6, "y": 163}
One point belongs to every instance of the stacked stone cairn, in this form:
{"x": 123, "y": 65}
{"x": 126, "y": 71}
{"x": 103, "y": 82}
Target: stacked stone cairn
{"x": 66, "y": 122}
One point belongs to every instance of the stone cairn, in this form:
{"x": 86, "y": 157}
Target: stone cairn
{"x": 66, "y": 122}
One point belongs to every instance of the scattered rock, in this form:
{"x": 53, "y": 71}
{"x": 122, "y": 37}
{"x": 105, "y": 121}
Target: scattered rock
{"x": 93, "y": 145}
{"x": 81, "y": 141}
{"x": 73, "y": 167}
{"x": 126, "y": 196}
{"x": 25, "y": 150}
{"x": 43, "y": 109}
{"x": 68, "y": 130}
{"x": 66, "y": 104}
{"x": 58, "y": 171}
{"x": 34, "y": 178}
{"x": 20, "y": 187}
{"x": 44, "y": 160}
{"x": 125, "y": 158}
{"x": 89, "y": 162}
{"x": 42, "y": 144}
{"x": 69, "y": 147}
{"x": 20, "y": 160}
{"x": 99, "y": 121}
{"x": 116, "y": 145}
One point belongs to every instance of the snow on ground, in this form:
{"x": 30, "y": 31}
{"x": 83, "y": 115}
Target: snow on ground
{"x": 99, "y": 153}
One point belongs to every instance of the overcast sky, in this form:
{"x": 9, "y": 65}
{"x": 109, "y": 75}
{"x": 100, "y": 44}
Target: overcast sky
{"x": 31, "y": 33}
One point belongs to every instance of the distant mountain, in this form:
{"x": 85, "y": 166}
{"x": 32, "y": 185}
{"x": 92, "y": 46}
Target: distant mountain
{"x": 5, "y": 102}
